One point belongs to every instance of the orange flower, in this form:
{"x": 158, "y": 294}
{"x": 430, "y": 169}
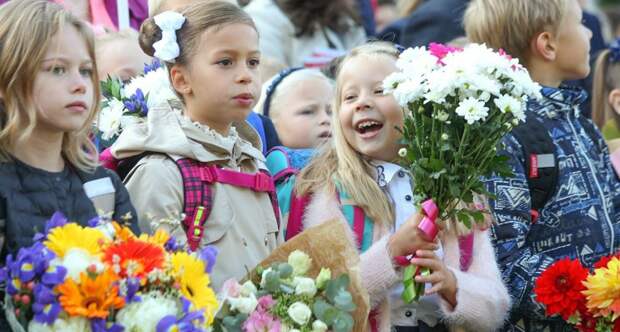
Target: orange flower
{"x": 93, "y": 297}
{"x": 122, "y": 233}
{"x": 160, "y": 237}
{"x": 134, "y": 257}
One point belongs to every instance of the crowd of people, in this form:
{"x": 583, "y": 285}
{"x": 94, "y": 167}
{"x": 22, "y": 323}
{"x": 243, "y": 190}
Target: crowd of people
{"x": 279, "y": 103}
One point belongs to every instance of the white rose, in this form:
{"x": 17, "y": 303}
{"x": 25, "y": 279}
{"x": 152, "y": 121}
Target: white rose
{"x": 300, "y": 261}
{"x": 304, "y": 286}
{"x": 244, "y": 305}
{"x": 300, "y": 313}
{"x": 319, "y": 326}
{"x": 248, "y": 288}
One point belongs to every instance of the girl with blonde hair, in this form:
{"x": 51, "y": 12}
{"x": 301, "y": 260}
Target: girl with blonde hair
{"x": 48, "y": 99}
{"x": 356, "y": 180}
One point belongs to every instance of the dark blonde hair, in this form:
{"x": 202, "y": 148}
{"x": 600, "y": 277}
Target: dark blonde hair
{"x": 339, "y": 161}
{"x": 199, "y": 17}
{"x": 512, "y": 24}
{"x": 26, "y": 30}
{"x": 606, "y": 78}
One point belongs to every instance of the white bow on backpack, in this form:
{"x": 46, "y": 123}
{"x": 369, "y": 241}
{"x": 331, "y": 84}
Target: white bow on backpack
{"x": 167, "y": 48}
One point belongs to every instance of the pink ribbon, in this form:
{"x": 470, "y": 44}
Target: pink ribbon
{"x": 428, "y": 227}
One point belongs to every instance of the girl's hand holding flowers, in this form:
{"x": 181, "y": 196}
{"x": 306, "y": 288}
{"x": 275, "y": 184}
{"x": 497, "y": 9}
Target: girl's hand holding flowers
{"x": 442, "y": 279}
{"x": 408, "y": 238}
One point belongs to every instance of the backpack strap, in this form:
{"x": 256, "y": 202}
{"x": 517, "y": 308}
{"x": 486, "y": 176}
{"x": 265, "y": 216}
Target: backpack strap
{"x": 198, "y": 201}
{"x": 541, "y": 165}
{"x": 198, "y": 196}
{"x": 296, "y": 214}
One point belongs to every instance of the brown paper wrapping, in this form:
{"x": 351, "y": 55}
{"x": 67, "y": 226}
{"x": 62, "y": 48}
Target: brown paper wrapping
{"x": 329, "y": 246}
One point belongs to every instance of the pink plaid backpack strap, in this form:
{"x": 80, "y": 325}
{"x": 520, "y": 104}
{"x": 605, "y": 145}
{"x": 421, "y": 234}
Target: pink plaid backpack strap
{"x": 197, "y": 198}
{"x": 258, "y": 182}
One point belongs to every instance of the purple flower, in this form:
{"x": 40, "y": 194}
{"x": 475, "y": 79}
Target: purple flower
{"x": 262, "y": 321}
{"x": 186, "y": 323}
{"x": 137, "y": 103}
{"x": 100, "y": 325}
{"x": 31, "y": 262}
{"x": 57, "y": 220}
{"x": 133, "y": 285}
{"x": 46, "y": 313}
{"x": 94, "y": 222}
{"x": 44, "y": 294}
{"x": 153, "y": 66}
{"x": 13, "y": 286}
{"x": 208, "y": 254}
{"x": 54, "y": 275}
{"x": 171, "y": 245}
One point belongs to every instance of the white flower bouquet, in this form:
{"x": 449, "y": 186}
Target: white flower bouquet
{"x": 458, "y": 104}
{"x": 127, "y": 103}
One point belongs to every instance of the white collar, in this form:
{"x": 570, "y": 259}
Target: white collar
{"x": 385, "y": 171}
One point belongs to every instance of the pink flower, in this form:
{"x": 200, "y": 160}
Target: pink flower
{"x": 261, "y": 322}
{"x": 440, "y": 50}
{"x": 265, "y": 303}
{"x": 231, "y": 288}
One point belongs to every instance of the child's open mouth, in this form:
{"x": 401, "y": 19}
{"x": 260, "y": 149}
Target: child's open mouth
{"x": 368, "y": 128}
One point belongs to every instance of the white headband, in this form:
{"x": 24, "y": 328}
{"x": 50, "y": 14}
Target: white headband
{"x": 167, "y": 48}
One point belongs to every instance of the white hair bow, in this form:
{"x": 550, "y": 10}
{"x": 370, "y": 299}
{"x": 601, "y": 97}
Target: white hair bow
{"x": 167, "y": 48}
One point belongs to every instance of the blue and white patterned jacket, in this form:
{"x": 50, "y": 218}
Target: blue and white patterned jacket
{"x": 581, "y": 220}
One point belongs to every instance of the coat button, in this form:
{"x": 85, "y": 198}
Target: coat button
{"x": 401, "y": 174}
{"x": 408, "y": 198}
{"x": 408, "y": 313}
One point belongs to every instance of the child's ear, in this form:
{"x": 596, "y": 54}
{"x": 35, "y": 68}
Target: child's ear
{"x": 180, "y": 80}
{"x": 614, "y": 100}
{"x": 544, "y": 45}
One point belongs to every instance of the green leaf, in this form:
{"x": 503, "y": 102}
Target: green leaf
{"x": 464, "y": 217}
{"x": 285, "y": 270}
{"x": 319, "y": 308}
{"x": 272, "y": 282}
{"x": 478, "y": 216}
{"x": 343, "y": 322}
{"x": 344, "y": 301}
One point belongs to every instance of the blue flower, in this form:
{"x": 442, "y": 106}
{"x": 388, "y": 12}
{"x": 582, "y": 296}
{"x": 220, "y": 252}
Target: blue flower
{"x": 208, "y": 254}
{"x": 46, "y": 313}
{"x": 32, "y": 262}
{"x": 153, "y": 66}
{"x": 44, "y": 294}
{"x": 54, "y": 275}
{"x": 171, "y": 245}
{"x": 100, "y": 325}
{"x": 133, "y": 285}
{"x": 57, "y": 220}
{"x": 187, "y": 323}
{"x": 137, "y": 103}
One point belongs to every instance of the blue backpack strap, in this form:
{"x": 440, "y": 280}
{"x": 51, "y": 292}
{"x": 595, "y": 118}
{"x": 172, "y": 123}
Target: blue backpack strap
{"x": 360, "y": 223}
{"x": 255, "y": 121}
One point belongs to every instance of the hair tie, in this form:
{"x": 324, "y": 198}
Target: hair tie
{"x": 272, "y": 87}
{"x": 167, "y": 47}
{"x": 614, "y": 51}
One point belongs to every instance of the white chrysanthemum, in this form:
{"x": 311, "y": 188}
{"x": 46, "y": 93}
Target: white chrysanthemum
{"x": 392, "y": 81}
{"x": 77, "y": 261}
{"x": 416, "y": 62}
{"x": 440, "y": 85}
{"x": 109, "y": 119}
{"x": 472, "y": 110}
{"x": 408, "y": 91}
{"x": 72, "y": 324}
{"x": 146, "y": 314}
{"x": 155, "y": 86}
{"x": 507, "y": 104}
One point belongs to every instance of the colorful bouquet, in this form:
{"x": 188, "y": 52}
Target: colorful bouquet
{"x": 458, "y": 104}
{"x": 124, "y": 104}
{"x": 296, "y": 290}
{"x": 104, "y": 278}
{"x": 589, "y": 301}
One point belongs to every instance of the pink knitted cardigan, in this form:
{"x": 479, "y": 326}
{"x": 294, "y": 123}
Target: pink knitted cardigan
{"x": 482, "y": 299}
